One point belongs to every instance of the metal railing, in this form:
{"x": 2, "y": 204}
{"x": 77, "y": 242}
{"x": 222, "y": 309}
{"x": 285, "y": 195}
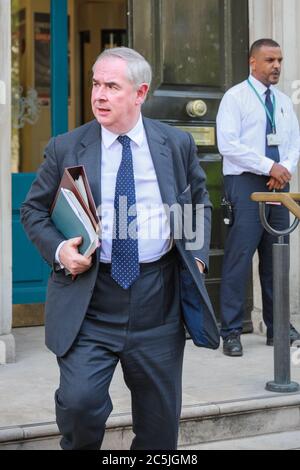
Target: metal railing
{"x": 281, "y": 294}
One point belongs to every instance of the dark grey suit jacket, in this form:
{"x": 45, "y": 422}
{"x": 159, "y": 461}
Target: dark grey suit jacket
{"x": 180, "y": 179}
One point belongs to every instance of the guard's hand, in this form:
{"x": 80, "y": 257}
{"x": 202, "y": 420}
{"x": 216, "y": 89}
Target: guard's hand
{"x": 72, "y": 260}
{"x": 274, "y": 184}
{"x": 280, "y": 173}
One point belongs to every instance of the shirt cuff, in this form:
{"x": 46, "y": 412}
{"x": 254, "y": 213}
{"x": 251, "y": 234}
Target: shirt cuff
{"x": 267, "y": 166}
{"x": 204, "y": 265}
{"x": 57, "y": 259}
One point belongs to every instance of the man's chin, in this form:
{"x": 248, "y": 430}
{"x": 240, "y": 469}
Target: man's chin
{"x": 274, "y": 80}
{"x": 103, "y": 121}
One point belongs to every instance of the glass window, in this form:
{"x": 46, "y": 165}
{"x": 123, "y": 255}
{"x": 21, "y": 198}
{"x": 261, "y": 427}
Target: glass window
{"x": 193, "y": 55}
{"x": 92, "y": 26}
{"x": 31, "y": 120}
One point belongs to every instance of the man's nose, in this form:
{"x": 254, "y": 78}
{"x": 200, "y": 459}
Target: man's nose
{"x": 100, "y": 93}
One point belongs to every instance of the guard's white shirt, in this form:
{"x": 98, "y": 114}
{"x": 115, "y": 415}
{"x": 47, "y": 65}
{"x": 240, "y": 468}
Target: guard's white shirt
{"x": 241, "y": 130}
{"x": 154, "y": 236}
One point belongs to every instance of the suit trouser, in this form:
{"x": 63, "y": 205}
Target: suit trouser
{"x": 142, "y": 328}
{"x": 245, "y": 237}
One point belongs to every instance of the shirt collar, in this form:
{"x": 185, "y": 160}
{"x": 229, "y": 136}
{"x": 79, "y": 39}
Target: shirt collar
{"x": 136, "y": 134}
{"x": 259, "y": 86}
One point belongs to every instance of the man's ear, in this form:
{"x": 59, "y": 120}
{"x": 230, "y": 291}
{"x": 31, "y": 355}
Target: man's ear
{"x": 252, "y": 63}
{"x": 142, "y": 93}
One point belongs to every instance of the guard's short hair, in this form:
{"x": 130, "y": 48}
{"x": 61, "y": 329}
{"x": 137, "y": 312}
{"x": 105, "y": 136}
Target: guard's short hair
{"x": 261, "y": 43}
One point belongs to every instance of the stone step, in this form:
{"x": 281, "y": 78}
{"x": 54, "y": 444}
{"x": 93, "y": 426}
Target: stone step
{"x": 202, "y": 425}
{"x": 277, "y": 441}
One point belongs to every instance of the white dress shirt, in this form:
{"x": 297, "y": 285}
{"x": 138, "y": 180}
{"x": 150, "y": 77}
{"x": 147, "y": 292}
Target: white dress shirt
{"x": 241, "y": 130}
{"x": 154, "y": 236}
{"x": 154, "y": 233}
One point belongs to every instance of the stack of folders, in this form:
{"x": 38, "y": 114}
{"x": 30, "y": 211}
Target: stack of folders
{"x": 74, "y": 212}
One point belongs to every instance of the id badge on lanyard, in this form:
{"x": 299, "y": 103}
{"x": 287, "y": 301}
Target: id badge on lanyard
{"x": 273, "y": 140}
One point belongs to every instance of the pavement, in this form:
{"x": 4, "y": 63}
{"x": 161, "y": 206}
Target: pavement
{"x": 27, "y": 386}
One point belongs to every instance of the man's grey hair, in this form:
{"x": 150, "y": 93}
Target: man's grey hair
{"x": 139, "y": 70}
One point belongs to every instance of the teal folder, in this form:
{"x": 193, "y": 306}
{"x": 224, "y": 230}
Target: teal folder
{"x": 69, "y": 223}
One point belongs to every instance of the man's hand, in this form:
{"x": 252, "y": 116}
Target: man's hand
{"x": 200, "y": 266}
{"x": 71, "y": 259}
{"x": 274, "y": 184}
{"x": 280, "y": 174}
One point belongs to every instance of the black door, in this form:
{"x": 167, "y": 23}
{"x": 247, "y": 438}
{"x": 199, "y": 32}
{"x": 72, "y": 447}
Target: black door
{"x": 198, "y": 49}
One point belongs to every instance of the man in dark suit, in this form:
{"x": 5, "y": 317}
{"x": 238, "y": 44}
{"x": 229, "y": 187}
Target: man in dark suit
{"x": 124, "y": 304}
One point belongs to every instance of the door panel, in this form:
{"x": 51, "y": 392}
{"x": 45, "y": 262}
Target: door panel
{"x": 33, "y": 103}
{"x": 198, "y": 49}
{"x": 31, "y": 129}
{"x": 30, "y": 271}
{"x": 180, "y": 60}
{"x": 196, "y": 52}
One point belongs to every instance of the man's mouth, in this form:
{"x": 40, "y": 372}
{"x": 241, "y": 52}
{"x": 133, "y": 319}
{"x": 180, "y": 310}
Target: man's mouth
{"x": 103, "y": 110}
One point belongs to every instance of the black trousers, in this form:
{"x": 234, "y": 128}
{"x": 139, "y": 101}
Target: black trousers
{"x": 245, "y": 237}
{"x": 142, "y": 328}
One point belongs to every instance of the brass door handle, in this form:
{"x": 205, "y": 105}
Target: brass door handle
{"x": 196, "y": 108}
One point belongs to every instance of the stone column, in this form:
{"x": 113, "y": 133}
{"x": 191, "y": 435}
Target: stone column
{"x": 278, "y": 19}
{"x": 7, "y": 344}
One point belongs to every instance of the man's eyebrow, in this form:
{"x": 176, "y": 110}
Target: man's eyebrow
{"x": 105, "y": 83}
{"x": 111, "y": 83}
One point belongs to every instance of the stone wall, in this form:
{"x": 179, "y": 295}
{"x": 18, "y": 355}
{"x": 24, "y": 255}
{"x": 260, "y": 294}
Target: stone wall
{"x": 7, "y": 349}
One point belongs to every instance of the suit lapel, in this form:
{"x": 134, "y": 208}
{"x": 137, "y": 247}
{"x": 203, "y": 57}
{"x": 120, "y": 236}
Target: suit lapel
{"x": 162, "y": 160}
{"x": 90, "y": 157}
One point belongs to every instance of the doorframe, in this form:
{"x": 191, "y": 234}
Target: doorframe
{"x": 35, "y": 294}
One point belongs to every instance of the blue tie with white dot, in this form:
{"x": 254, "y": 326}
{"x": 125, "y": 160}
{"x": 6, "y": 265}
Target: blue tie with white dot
{"x": 125, "y": 266}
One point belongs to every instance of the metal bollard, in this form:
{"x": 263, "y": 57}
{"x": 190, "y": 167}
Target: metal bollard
{"x": 281, "y": 300}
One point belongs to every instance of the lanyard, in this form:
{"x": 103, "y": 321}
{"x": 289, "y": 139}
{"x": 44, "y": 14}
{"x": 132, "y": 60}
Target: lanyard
{"x": 271, "y": 118}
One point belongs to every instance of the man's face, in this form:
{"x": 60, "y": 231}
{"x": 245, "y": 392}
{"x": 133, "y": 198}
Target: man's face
{"x": 116, "y": 102}
{"x": 266, "y": 65}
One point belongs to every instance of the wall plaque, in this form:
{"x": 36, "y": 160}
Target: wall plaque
{"x": 203, "y": 136}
